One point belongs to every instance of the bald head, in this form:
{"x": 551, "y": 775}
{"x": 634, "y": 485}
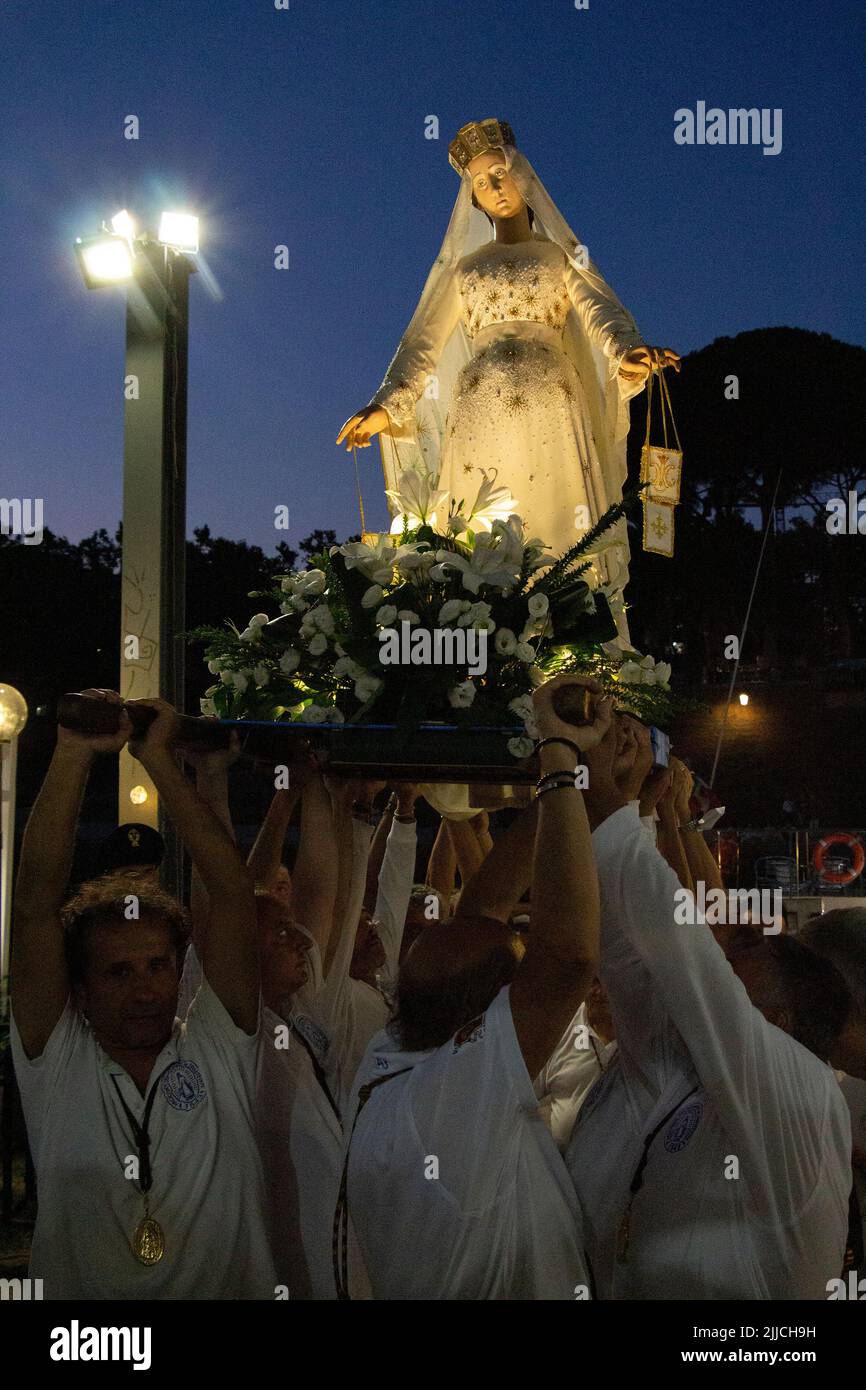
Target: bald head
{"x": 451, "y": 975}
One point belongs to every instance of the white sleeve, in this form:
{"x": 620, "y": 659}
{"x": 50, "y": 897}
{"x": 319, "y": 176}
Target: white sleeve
{"x": 333, "y": 1004}
{"x": 396, "y": 877}
{"x": 606, "y": 322}
{"x": 772, "y": 1095}
{"x": 650, "y": 1052}
{"x": 419, "y": 352}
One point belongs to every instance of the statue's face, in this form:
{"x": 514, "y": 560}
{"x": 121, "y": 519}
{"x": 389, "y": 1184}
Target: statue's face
{"x": 495, "y": 190}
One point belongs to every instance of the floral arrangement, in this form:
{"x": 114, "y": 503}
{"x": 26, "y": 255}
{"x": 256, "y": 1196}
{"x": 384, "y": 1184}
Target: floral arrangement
{"x": 319, "y": 661}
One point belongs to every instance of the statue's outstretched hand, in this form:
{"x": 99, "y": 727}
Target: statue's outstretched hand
{"x": 359, "y": 429}
{"x": 637, "y": 364}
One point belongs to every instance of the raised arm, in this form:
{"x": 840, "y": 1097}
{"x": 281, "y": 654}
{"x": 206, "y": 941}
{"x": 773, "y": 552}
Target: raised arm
{"x": 396, "y": 876}
{"x": 315, "y": 880}
{"x": 40, "y": 983}
{"x": 702, "y": 864}
{"x": 228, "y": 934}
{"x": 505, "y": 875}
{"x": 266, "y": 855}
{"x": 212, "y": 784}
{"x": 562, "y": 956}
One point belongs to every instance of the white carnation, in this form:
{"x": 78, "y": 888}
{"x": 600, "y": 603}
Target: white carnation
{"x": 366, "y": 687}
{"x": 227, "y": 677}
{"x": 207, "y": 706}
{"x": 315, "y": 714}
{"x": 289, "y": 661}
{"x": 520, "y": 747}
{"x": 214, "y": 667}
{"x": 450, "y": 610}
{"x": 461, "y": 696}
{"x": 318, "y": 644}
{"x": 240, "y": 680}
{"x": 261, "y": 675}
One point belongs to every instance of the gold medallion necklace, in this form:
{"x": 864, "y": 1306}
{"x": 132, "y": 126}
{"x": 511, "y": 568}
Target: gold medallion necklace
{"x": 148, "y": 1240}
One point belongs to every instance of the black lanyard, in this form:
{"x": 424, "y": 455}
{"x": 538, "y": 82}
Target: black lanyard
{"x": 637, "y": 1181}
{"x": 318, "y": 1072}
{"x": 340, "y": 1237}
{"x": 140, "y": 1132}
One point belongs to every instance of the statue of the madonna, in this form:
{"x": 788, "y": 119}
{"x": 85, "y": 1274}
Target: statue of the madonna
{"x": 518, "y": 363}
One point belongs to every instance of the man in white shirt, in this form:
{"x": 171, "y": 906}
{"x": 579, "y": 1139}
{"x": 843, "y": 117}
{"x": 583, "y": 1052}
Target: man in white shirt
{"x": 141, "y": 1126}
{"x": 712, "y": 1160}
{"x": 454, "y": 1184}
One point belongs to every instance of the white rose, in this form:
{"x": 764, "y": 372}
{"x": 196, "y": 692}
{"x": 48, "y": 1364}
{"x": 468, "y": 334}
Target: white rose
{"x": 663, "y": 674}
{"x": 520, "y": 747}
{"x": 461, "y": 696}
{"x": 318, "y": 644}
{"x": 450, "y": 610}
{"x": 227, "y": 677}
{"x": 207, "y": 706}
{"x": 525, "y": 652}
{"x": 366, "y": 687}
{"x": 287, "y": 584}
{"x": 505, "y": 643}
{"x": 261, "y": 675}
{"x": 299, "y": 604}
{"x": 214, "y": 667}
{"x": 240, "y": 681}
{"x": 629, "y": 672}
{"x": 386, "y": 615}
{"x": 407, "y": 616}
{"x": 322, "y": 618}
{"x": 314, "y": 714}
{"x": 289, "y": 661}
{"x": 312, "y": 582}
{"x": 373, "y": 595}
{"x": 538, "y": 605}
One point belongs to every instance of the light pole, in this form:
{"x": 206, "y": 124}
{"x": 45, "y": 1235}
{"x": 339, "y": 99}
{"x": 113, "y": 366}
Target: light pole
{"x": 13, "y": 717}
{"x": 157, "y": 273}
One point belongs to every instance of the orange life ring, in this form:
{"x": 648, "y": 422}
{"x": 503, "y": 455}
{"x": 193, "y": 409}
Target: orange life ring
{"x": 842, "y": 876}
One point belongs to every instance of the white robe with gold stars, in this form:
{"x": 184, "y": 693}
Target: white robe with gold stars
{"x": 519, "y": 408}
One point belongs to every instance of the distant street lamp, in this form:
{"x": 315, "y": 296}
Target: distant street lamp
{"x": 13, "y": 717}
{"x": 156, "y": 272}
{"x": 744, "y": 699}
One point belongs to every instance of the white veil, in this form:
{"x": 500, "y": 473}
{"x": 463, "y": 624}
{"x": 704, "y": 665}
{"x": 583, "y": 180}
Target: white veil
{"x": 418, "y": 442}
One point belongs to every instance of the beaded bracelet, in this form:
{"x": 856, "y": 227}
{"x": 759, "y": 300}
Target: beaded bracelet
{"x": 560, "y": 772}
{"x": 555, "y": 787}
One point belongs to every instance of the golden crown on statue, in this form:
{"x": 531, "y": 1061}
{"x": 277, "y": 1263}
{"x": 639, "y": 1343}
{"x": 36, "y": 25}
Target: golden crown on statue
{"x": 477, "y": 137}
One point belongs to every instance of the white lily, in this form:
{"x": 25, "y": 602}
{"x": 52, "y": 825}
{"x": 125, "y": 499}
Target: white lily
{"x": 416, "y": 498}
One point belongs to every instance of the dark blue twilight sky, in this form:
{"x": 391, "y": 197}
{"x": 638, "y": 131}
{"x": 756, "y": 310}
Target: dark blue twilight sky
{"x": 307, "y": 127}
